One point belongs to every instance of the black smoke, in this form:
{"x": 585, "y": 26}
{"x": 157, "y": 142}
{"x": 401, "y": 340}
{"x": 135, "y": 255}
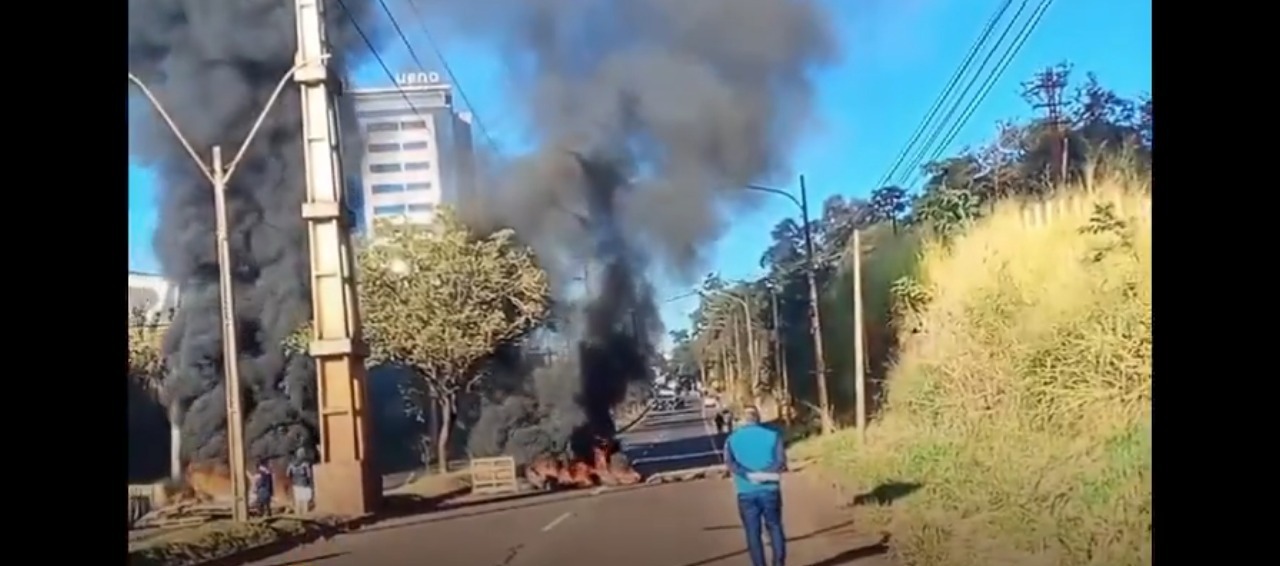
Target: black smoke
{"x": 651, "y": 115}
{"x": 214, "y": 65}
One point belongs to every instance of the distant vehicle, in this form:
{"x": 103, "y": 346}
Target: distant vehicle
{"x": 666, "y": 393}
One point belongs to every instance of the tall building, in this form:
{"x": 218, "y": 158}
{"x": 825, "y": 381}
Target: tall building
{"x": 418, "y": 151}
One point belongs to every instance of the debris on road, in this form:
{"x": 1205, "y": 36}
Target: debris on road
{"x": 717, "y": 471}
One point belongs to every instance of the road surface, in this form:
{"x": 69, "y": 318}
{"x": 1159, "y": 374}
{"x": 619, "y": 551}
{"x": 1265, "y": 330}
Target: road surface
{"x": 691, "y": 523}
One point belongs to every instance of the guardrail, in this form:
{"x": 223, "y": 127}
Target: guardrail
{"x": 492, "y": 476}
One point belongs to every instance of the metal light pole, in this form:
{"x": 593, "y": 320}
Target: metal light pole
{"x": 815, "y": 319}
{"x": 219, "y": 175}
{"x": 752, "y": 356}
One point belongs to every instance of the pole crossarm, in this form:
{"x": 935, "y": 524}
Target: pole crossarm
{"x": 253, "y": 131}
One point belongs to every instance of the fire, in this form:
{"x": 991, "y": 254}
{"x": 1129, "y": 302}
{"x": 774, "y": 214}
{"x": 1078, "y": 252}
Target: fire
{"x": 608, "y": 466}
{"x": 207, "y": 482}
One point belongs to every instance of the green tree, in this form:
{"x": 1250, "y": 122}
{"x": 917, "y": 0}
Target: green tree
{"x": 888, "y": 204}
{"x": 440, "y": 300}
{"x": 148, "y": 369}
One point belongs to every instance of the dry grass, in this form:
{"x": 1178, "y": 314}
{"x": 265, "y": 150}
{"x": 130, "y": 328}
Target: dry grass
{"x": 1022, "y": 405}
{"x": 219, "y": 539}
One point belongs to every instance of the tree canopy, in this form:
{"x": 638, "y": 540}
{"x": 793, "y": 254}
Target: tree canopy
{"x": 440, "y": 300}
{"x": 939, "y": 197}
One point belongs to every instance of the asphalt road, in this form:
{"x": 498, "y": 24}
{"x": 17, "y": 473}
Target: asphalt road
{"x": 690, "y": 523}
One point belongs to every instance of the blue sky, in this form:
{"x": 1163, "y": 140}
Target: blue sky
{"x": 898, "y": 54}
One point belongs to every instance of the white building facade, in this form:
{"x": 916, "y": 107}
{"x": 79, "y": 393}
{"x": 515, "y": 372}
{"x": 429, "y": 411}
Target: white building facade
{"x": 151, "y": 295}
{"x": 417, "y": 151}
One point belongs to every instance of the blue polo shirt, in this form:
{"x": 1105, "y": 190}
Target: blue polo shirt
{"x": 754, "y": 448}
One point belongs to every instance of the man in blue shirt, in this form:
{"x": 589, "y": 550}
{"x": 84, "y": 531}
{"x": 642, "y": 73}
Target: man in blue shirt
{"x": 756, "y": 458}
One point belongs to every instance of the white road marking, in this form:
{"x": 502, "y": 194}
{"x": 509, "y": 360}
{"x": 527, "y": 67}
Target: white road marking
{"x": 557, "y": 521}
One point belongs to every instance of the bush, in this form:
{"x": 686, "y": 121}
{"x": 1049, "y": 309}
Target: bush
{"x": 1020, "y": 402}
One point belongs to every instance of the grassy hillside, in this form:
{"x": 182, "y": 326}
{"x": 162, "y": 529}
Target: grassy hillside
{"x": 1019, "y": 403}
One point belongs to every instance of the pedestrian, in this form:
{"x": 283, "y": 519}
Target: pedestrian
{"x": 719, "y": 423}
{"x": 301, "y": 481}
{"x": 263, "y": 489}
{"x": 756, "y": 457}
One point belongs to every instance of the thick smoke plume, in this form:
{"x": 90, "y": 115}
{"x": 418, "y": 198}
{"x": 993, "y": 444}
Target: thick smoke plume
{"x": 213, "y": 65}
{"x": 652, "y": 114}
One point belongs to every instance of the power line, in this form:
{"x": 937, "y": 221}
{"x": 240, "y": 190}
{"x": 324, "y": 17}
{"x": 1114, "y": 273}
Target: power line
{"x": 1005, "y": 60}
{"x": 448, "y": 70}
{"x": 377, "y": 57}
{"x": 912, "y": 171}
{"x": 946, "y": 92}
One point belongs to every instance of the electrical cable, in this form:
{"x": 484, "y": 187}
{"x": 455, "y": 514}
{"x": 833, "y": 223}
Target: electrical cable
{"x": 1003, "y": 64}
{"x": 448, "y": 70}
{"x": 912, "y": 171}
{"x": 946, "y": 92}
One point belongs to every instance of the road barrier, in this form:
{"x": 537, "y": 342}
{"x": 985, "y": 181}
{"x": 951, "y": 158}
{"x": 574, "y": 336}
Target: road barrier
{"x": 491, "y": 476}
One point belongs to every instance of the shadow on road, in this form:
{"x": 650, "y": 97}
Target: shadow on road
{"x": 792, "y": 539}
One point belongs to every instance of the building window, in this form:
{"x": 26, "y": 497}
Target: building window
{"x": 422, "y": 207}
{"x": 414, "y": 125}
{"x": 411, "y": 146}
{"x": 417, "y": 166}
{"x": 386, "y": 188}
{"x": 383, "y": 147}
{"x": 418, "y": 186}
{"x": 397, "y": 113}
{"x": 383, "y": 127}
{"x": 388, "y": 209}
{"x": 384, "y": 168}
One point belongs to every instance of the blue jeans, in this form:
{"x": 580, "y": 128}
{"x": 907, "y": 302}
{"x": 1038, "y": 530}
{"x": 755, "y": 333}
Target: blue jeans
{"x": 763, "y": 508}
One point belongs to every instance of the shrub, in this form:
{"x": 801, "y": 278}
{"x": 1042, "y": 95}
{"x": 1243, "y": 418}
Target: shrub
{"x": 1020, "y": 401}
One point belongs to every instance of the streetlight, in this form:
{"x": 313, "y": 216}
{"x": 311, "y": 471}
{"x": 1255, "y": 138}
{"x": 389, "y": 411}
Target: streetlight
{"x": 815, "y": 319}
{"x": 751, "y": 349}
{"x": 219, "y": 174}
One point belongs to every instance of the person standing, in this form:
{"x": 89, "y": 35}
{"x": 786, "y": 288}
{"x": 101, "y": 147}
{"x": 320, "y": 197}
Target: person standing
{"x": 301, "y": 481}
{"x": 263, "y": 489}
{"x": 756, "y": 457}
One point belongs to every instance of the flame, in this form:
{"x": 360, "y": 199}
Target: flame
{"x": 550, "y": 472}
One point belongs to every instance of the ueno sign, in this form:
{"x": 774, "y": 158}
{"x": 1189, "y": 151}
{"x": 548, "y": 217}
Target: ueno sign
{"x": 414, "y": 79}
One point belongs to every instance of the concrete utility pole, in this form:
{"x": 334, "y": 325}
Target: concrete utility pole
{"x": 219, "y": 176}
{"x": 780, "y": 357}
{"x": 859, "y": 349}
{"x": 345, "y": 482}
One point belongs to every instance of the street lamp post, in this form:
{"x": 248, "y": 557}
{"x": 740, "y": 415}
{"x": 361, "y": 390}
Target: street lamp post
{"x": 752, "y": 356}
{"x": 219, "y": 174}
{"x": 815, "y": 319}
